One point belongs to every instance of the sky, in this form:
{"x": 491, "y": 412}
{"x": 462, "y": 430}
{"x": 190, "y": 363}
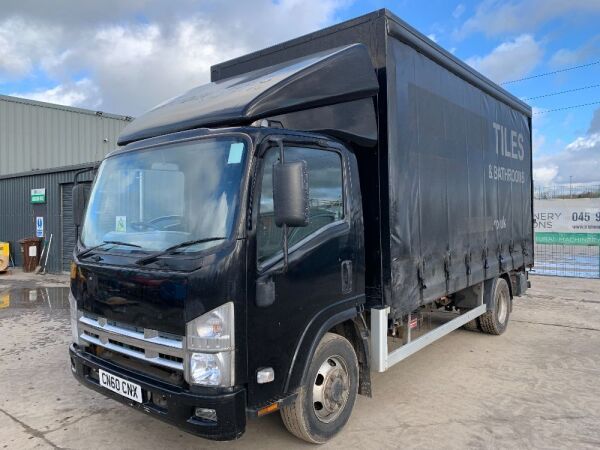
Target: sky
{"x": 125, "y": 57}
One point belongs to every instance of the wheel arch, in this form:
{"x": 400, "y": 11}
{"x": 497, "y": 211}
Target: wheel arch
{"x": 357, "y": 333}
{"x": 490, "y": 284}
{"x": 506, "y": 277}
{"x": 348, "y": 323}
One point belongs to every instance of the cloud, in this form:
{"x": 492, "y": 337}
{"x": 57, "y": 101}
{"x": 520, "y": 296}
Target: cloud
{"x": 584, "y": 143}
{"x": 497, "y": 17}
{"x": 579, "y": 161}
{"x": 458, "y": 11}
{"x": 571, "y": 57}
{"x": 433, "y": 37}
{"x": 23, "y": 45}
{"x": 545, "y": 175}
{"x": 138, "y": 53}
{"x": 80, "y": 93}
{"x": 510, "y": 60}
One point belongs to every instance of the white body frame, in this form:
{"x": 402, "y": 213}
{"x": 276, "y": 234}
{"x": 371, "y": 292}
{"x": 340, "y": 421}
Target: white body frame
{"x": 381, "y": 359}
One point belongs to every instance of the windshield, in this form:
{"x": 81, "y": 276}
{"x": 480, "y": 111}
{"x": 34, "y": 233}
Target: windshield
{"x": 157, "y": 198}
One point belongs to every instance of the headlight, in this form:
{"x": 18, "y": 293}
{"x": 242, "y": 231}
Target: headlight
{"x": 210, "y": 344}
{"x": 211, "y": 369}
{"x": 213, "y": 330}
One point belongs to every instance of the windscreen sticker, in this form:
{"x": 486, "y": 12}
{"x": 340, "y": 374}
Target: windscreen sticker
{"x": 121, "y": 224}
{"x": 235, "y": 153}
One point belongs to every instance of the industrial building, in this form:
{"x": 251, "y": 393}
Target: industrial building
{"x": 42, "y": 147}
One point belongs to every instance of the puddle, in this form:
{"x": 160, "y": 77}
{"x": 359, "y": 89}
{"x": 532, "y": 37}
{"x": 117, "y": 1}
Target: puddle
{"x": 49, "y": 298}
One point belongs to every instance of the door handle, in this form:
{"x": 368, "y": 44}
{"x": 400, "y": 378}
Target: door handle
{"x": 265, "y": 291}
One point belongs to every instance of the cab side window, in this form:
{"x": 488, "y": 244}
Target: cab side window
{"x": 325, "y": 193}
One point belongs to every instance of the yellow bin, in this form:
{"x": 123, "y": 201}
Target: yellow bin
{"x": 4, "y": 256}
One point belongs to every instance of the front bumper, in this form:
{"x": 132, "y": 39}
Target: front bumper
{"x": 180, "y": 403}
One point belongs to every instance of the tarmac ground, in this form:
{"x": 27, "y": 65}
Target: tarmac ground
{"x": 536, "y": 386}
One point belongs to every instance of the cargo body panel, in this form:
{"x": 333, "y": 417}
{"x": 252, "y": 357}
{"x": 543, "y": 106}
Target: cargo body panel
{"x": 447, "y": 192}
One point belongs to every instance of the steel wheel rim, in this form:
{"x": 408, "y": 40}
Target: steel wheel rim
{"x": 502, "y": 307}
{"x": 331, "y": 389}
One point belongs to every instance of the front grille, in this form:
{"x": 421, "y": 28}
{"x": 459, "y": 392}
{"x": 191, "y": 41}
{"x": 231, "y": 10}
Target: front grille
{"x": 152, "y": 346}
{"x": 129, "y": 347}
{"x": 171, "y": 358}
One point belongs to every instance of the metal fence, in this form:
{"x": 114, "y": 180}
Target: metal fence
{"x": 564, "y": 191}
{"x": 567, "y": 260}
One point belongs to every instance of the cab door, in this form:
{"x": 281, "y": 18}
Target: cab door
{"x": 289, "y": 306}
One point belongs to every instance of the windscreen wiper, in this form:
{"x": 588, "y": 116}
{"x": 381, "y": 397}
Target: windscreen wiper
{"x": 150, "y": 258}
{"x": 91, "y": 249}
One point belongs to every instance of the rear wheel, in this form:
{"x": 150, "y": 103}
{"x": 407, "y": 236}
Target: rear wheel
{"x": 472, "y": 325}
{"x": 495, "y": 319}
{"x": 325, "y": 401}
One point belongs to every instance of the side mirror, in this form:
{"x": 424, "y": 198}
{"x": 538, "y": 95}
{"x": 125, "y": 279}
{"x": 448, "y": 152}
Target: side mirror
{"x": 290, "y": 194}
{"x": 79, "y": 201}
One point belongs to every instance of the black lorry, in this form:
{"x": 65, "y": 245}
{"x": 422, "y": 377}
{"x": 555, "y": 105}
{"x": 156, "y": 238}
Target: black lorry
{"x": 322, "y": 209}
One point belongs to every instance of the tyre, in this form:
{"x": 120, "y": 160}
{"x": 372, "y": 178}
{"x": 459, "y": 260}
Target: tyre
{"x": 325, "y": 401}
{"x": 472, "y": 325}
{"x": 495, "y": 319}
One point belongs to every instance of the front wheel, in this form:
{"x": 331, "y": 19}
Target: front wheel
{"x": 325, "y": 401}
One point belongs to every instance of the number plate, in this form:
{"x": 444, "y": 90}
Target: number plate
{"x": 120, "y": 386}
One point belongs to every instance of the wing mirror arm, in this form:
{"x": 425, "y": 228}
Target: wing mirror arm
{"x": 284, "y": 225}
{"x": 290, "y": 196}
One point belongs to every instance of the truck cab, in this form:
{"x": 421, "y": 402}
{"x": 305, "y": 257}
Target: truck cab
{"x": 181, "y": 284}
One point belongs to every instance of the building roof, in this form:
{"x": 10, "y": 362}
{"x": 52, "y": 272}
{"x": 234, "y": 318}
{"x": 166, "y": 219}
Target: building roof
{"x": 27, "y": 101}
{"x": 37, "y": 136}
